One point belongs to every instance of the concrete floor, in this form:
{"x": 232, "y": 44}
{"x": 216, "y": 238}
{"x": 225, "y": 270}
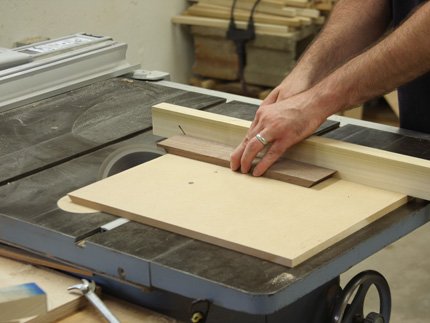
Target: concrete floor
{"x": 405, "y": 264}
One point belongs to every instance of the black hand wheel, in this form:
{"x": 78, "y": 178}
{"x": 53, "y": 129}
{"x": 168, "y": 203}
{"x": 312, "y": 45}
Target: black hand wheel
{"x": 349, "y": 307}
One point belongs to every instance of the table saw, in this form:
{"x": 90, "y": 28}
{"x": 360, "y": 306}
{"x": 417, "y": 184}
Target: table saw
{"x": 54, "y": 144}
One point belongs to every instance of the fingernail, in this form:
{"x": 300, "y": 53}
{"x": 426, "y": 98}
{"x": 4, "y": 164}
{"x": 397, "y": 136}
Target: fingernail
{"x": 256, "y": 173}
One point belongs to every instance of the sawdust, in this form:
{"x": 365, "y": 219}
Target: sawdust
{"x": 282, "y": 278}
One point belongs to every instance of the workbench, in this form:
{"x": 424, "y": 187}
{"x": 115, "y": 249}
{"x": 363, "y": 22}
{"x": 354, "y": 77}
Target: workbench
{"x": 56, "y": 145}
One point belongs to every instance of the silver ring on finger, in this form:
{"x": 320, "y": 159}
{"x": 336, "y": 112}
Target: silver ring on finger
{"x": 261, "y": 139}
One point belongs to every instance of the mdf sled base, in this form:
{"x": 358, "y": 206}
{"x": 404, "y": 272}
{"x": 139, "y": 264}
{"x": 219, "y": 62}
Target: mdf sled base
{"x": 276, "y": 221}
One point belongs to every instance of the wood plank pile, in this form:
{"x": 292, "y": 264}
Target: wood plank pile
{"x": 283, "y": 30}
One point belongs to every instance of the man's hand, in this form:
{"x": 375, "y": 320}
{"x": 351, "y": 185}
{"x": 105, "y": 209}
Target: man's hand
{"x": 285, "y": 117}
{"x": 289, "y": 87}
{"x": 282, "y": 124}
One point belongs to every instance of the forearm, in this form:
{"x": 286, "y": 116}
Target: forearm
{"x": 352, "y": 27}
{"x": 286, "y": 119}
{"x": 400, "y": 57}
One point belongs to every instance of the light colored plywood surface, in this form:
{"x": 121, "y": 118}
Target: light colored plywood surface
{"x": 54, "y": 284}
{"x": 359, "y": 164}
{"x": 21, "y": 301}
{"x": 66, "y": 307}
{"x": 273, "y": 220}
{"x": 369, "y": 166}
{"x": 168, "y": 120}
{"x": 66, "y": 204}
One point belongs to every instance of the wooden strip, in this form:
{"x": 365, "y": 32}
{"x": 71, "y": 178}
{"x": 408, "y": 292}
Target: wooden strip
{"x": 297, "y": 3}
{"x": 261, "y": 29}
{"x": 222, "y": 12}
{"x": 369, "y": 166}
{"x": 269, "y": 219}
{"x": 213, "y": 11}
{"x": 307, "y": 12}
{"x": 270, "y": 8}
{"x": 168, "y": 120}
{"x": 285, "y": 170}
{"x": 17, "y": 254}
{"x": 277, "y": 9}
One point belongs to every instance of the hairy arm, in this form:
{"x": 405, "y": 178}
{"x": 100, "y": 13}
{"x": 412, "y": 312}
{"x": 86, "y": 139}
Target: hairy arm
{"x": 352, "y": 27}
{"x": 398, "y": 58}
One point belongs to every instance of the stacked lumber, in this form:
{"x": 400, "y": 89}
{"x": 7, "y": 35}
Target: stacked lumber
{"x": 271, "y": 16}
{"x": 254, "y": 91}
{"x": 283, "y": 29}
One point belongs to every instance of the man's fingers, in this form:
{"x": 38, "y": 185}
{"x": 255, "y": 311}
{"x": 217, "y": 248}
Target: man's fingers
{"x": 253, "y": 147}
{"x": 273, "y": 153}
{"x": 236, "y": 156}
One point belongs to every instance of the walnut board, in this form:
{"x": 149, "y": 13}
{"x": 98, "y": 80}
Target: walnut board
{"x": 285, "y": 170}
{"x": 266, "y": 218}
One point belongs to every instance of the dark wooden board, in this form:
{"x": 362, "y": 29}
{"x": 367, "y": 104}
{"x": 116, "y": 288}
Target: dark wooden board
{"x": 285, "y": 170}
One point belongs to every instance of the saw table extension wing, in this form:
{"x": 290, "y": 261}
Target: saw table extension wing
{"x": 266, "y": 218}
